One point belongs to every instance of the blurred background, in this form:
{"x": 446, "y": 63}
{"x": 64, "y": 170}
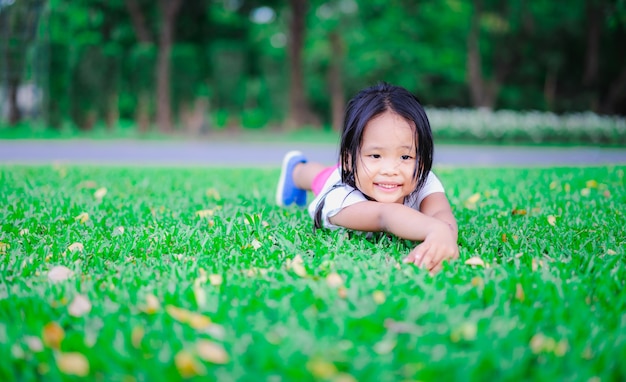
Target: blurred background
{"x": 487, "y": 70}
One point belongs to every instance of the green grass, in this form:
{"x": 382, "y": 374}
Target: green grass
{"x": 548, "y": 304}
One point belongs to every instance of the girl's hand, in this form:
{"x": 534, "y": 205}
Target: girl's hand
{"x": 438, "y": 246}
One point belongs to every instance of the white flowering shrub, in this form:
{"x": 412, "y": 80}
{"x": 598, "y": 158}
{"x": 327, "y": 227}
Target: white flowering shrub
{"x": 529, "y": 127}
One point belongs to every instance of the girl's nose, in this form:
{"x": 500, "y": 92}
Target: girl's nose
{"x": 389, "y": 167}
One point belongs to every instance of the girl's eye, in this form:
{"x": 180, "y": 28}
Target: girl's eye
{"x": 406, "y": 157}
{"x": 375, "y": 156}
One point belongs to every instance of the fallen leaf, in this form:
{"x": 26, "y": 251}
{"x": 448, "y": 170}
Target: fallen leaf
{"x": 591, "y": 184}
{"x": 471, "y": 201}
{"x": 298, "y": 269}
{"x": 379, "y": 297}
{"x": 255, "y": 244}
{"x": 59, "y": 273}
{"x": 536, "y": 264}
{"x": 585, "y": 192}
{"x": 521, "y": 212}
{"x": 611, "y": 252}
{"x": 519, "y": 292}
{"x": 216, "y": 280}
{"x": 465, "y": 332}
{"x": 205, "y": 213}
{"x": 34, "y": 344}
{"x": 212, "y": 352}
{"x": 152, "y": 304}
{"x": 136, "y": 336}
{"x": 4, "y": 247}
{"x": 321, "y": 368}
{"x": 551, "y": 220}
{"x": 26, "y": 231}
{"x": 79, "y": 306}
{"x": 385, "y": 346}
{"x": 200, "y": 295}
{"x": 52, "y": 335}
{"x": 100, "y": 193}
{"x": 475, "y": 260}
{"x": 74, "y": 247}
{"x": 73, "y": 363}
{"x": 342, "y": 292}
{"x": 118, "y": 231}
{"x": 82, "y": 217}
{"x": 187, "y": 365}
{"x": 478, "y": 282}
{"x": 213, "y": 194}
{"x": 334, "y": 280}
{"x": 195, "y": 320}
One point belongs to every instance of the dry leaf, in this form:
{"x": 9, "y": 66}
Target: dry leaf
{"x": 52, "y": 335}
{"x": 466, "y": 331}
{"x": 200, "y": 295}
{"x": 298, "y": 269}
{"x": 475, "y": 260}
{"x": 152, "y": 304}
{"x": 551, "y": 220}
{"x": 79, "y": 306}
{"x": 611, "y": 252}
{"x": 34, "y": 344}
{"x": 216, "y": 280}
{"x": 205, "y": 213}
{"x": 73, "y": 363}
{"x": 519, "y": 293}
{"x": 255, "y": 244}
{"x": 212, "y": 352}
{"x": 342, "y": 292}
{"x": 100, "y": 192}
{"x": 471, "y": 201}
{"x": 187, "y": 365}
{"x": 585, "y": 192}
{"x": 334, "y": 280}
{"x": 118, "y": 231}
{"x": 59, "y": 273}
{"x": 26, "y": 231}
{"x": 384, "y": 346}
{"x": 4, "y": 247}
{"x": 136, "y": 336}
{"x": 536, "y": 264}
{"x": 82, "y": 218}
{"x": 521, "y": 212}
{"x": 76, "y": 247}
{"x": 213, "y": 194}
{"x": 591, "y": 184}
{"x": 321, "y": 368}
{"x": 379, "y": 297}
{"x": 343, "y": 377}
{"x": 195, "y": 320}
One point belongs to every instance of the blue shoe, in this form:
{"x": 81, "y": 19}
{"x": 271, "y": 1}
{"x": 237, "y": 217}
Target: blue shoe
{"x": 287, "y": 192}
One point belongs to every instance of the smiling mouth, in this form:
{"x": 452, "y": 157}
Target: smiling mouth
{"x": 387, "y": 186}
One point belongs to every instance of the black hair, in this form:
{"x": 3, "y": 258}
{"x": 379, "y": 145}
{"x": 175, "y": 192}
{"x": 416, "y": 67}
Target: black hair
{"x": 368, "y": 104}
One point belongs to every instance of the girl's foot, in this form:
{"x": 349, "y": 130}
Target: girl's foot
{"x": 287, "y": 192}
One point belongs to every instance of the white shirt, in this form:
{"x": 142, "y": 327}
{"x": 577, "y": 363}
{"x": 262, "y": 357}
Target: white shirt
{"x": 343, "y": 196}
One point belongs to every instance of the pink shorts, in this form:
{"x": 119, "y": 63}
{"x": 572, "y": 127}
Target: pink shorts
{"x": 321, "y": 178}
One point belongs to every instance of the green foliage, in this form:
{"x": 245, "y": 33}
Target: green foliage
{"x": 277, "y": 301}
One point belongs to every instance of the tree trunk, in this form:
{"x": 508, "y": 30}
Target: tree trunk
{"x": 299, "y": 113}
{"x": 592, "y": 53}
{"x": 474, "y": 62}
{"x": 169, "y": 10}
{"x": 15, "y": 114}
{"x": 335, "y": 81}
{"x": 139, "y": 22}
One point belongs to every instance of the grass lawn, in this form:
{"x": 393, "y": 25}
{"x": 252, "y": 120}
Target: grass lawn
{"x": 146, "y": 274}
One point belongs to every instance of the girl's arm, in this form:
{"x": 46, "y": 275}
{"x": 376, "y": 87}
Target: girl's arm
{"x": 437, "y": 237}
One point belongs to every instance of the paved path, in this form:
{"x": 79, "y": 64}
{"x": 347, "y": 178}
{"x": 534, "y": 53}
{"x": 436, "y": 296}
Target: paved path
{"x": 270, "y": 154}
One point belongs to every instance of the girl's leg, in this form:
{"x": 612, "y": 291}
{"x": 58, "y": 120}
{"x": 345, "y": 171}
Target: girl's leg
{"x": 305, "y": 173}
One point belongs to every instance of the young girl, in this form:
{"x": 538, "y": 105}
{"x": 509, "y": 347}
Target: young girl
{"x": 383, "y": 180}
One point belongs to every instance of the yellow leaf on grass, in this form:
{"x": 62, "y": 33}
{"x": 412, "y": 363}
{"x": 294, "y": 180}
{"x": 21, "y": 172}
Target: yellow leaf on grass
{"x": 521, "y": 212}
{"x": 73, "y": 363}
{"x": 611, "y": 252}
{"x": 59, "y": 273}
{"x": 152, "y": 304}
{"x": 82, "y": 217}
{"x": 591, "y": 184}
{"x": 321, "y": 368}
{"x": 200, "y": 295}
{"x": 519, "y": 292}
{"x": 79, "y": 306}
{"x": 187, "y": 365}
{"x": 212, "y": 352}
{"x": 585, "y": 192}
{"x": 136, "y": 336}
{"x": 255, "y": 244}
{"x": 195, "y": 320}
{"x": 475, "y": 260}
{"x": 52, "y": 335}
{"x": 118, "y": 231}
{"x": 76, "y": 247}
{"x": 100, "y": 193}
{"x": 216, "y": 280}
{"x": 205, "y": 213}
{"x": 298, "y": 269}
{"x": 334, "y": 280}
{"x": 213, "y": 194}
{"x": 551, "y": 220}
{"x": 471, "y": 201}
{"x": 379, "y": 297}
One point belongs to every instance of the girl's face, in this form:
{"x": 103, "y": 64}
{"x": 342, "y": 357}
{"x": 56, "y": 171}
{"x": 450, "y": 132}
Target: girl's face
{"x": 387, "y": 160}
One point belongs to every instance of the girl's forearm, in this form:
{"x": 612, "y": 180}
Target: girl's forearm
{"x": 410, "y": 224}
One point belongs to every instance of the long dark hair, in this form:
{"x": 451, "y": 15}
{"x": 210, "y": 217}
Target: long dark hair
{"x": 368, "y": 104}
